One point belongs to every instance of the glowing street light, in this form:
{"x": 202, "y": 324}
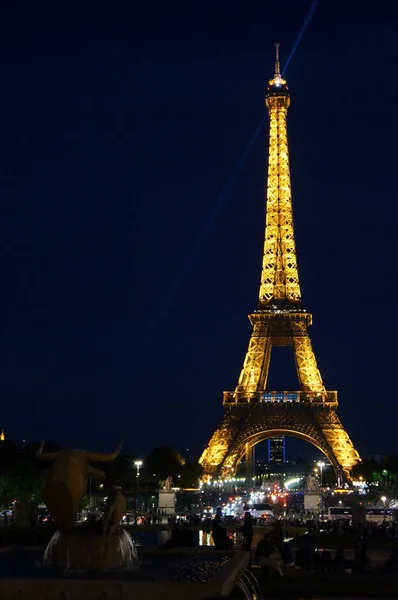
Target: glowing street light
{"x": 384, "y": 500}
{"x": 320, "y": 465}
{"x": 138, "y": 464}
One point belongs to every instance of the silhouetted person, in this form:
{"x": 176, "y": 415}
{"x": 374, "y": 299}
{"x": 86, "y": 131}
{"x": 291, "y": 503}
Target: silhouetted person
{"x": 266, "y": 556}
{"x": 361, "y": 559}
{"x": 92, "y": 519}
{"x": 247, "y": 531}
{"x": 287, "y": 555}
{"x": 265, "y": 547}
{"x": 326, "y": 561}
{"x": 182, "y": 537}
{"x": 339, "y": 561}
{"x": 219, "y": 535}
{"x": 391, "y": 565}
{"x": 306, "y": 552}
{"x": 277, "y": 534}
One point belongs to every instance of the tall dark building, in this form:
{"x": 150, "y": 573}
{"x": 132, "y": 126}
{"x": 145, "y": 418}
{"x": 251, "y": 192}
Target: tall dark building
{"x": 276, "y": 449}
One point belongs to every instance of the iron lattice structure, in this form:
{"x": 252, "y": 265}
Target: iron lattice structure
{"x": 253, "y": 414}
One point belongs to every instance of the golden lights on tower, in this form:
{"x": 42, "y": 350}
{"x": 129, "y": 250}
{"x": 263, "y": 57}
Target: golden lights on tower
{"x": 279, "y": 277}
{"x": 252, "y": 412}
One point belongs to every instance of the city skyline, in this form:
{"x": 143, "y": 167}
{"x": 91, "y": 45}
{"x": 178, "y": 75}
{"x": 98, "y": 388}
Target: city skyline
{"x": 114, "y": 152}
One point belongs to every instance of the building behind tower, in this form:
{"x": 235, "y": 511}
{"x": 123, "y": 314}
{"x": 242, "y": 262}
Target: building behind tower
{"x": 276, "y": 449}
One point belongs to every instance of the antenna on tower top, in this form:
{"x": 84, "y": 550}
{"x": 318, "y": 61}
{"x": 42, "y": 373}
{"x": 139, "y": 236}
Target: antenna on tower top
{"x": 277, "y": 62}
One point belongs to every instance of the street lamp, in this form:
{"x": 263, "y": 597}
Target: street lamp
{"x": 384, "y": 500}
{"x": 320, "y": 465}
{"x": 138, "y": 464}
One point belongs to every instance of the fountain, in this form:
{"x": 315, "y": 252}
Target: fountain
{"x": 93, "y": 546}
{"x": 80, "y": 551}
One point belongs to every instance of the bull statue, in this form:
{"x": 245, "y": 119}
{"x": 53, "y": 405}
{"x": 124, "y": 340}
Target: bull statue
{"x": 66, "y": 481}
{"x": 114, "y": 512}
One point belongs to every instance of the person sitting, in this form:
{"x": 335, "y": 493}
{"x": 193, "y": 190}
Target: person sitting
{"x": 361, "y": 560}
{"x": 391, "y": 565}
{"x": 287, "y": 555}
{"x": 267, "y": 557}
{"x": 181, "y": 537}
{"x": 277, "y": 534}
{"x": 326, "y": 561}
{"x": 339, "y": 561}
{"x": 306, "y": 552}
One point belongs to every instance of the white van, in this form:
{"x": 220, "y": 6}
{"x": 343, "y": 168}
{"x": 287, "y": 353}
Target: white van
{"x": 262, "y": 511}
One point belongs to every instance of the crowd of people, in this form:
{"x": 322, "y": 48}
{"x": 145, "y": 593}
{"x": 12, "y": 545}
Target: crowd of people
{"x": 274, "y": 552}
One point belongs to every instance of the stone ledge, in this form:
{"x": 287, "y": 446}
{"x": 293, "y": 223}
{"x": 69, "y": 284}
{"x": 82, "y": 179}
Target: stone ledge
{"x": 118, "y": 589}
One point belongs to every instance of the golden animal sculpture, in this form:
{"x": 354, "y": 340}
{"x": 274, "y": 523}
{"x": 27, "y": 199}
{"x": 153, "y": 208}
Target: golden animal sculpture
{"x": 66, "y": 481}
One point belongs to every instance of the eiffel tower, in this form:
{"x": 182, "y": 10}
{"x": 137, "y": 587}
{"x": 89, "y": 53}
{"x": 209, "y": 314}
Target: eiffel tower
{"x": 252, "y": 413}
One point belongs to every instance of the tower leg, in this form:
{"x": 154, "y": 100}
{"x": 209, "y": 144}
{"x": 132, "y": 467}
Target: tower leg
{"x": 250, "y": 461}
{"x": 218, "y": 458}
{"x": 253, "y": 376}
{"x": 307, "y": 369}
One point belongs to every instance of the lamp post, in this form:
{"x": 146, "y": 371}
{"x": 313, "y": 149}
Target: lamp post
{"x": 320, "y": 465}
{"x": 138, "y": 464}
{"x": 384, "y": 501}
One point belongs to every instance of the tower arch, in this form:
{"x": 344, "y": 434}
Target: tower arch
{"x": 317, "y": 442}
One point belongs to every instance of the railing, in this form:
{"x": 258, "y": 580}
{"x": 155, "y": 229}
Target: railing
{"x": 301, "y": 397}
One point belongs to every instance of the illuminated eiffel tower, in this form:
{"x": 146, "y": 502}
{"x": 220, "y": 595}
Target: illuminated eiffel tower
{"x": 252, "y": 413}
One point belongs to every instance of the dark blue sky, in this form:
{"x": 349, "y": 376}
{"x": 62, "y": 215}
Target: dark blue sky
{"x": 118, "y": 130}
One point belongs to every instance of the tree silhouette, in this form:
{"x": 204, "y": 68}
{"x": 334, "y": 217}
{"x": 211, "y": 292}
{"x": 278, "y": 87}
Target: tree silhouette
{"x": 164, "y": 461}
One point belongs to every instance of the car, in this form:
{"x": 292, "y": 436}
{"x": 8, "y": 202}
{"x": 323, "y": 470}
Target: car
{"x": 6, "y": 514}
{"x": 44, "y": 519}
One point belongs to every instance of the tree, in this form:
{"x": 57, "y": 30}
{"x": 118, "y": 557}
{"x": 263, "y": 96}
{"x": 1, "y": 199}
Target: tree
{"x": 119, "y": 472}
{"x": 9, "y": 453}
{"x": 190, "y": 474}
{"x": 28, "y": 481}
{"x": 368, "y": 469}
{"x": 7, "y": 491}
{"x": 381, "y": 478}
{"x": 23, "y": 482}
{"x": 20, "y": 474}
{"x": 84, "y": 502}
{"x": 164, "y": 462}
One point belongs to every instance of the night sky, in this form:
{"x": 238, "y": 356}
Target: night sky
{"x": 119, "y": 129}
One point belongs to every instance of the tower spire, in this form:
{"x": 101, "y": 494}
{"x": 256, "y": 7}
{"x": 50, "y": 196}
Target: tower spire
{"x": 279, "y": 278}
{"x": 277, "y": 62}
